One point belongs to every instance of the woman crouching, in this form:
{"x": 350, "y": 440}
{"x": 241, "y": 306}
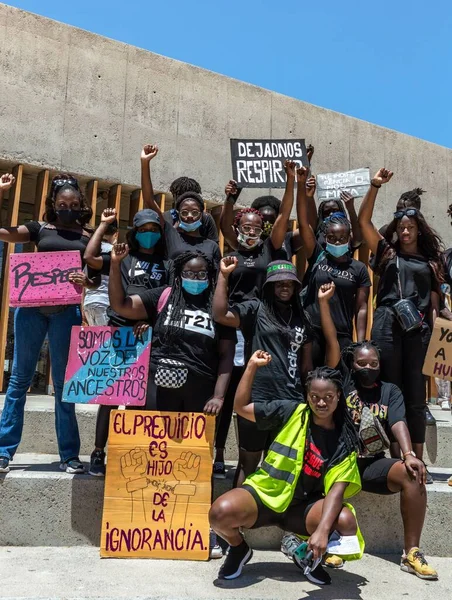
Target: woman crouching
{"x": 309, "y": 469}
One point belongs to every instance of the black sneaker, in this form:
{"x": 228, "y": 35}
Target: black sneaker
{"x": 97, "y": 463}
{"x": 4, "y": 464}
{"x": 219, "y": 471}
{"x": 236, "y": 559}
{"x": 429, "y": 418}
{"x": 318, "y": 576}
{"x": 73, "y": 466}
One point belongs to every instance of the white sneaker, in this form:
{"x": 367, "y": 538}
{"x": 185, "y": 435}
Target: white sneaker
{"x": 445, "y": 405}
{"x": 215, "y": 550}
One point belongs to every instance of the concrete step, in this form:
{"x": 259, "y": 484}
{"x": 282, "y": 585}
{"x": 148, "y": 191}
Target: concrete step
{"x": 33, "y": 573}
{"x": 39, "y": 431}
{"x": 42, "y": 506}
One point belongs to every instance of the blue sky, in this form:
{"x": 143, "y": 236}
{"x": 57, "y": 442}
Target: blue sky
{"x": 389, "y": 63}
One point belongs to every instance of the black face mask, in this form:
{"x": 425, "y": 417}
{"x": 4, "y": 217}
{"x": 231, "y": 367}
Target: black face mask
{"x": 366, "y": 377}
{"x": 68, "y": 216}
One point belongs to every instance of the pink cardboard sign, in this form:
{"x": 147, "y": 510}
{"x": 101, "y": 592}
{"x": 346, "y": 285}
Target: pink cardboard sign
{"x": 107, "y": 365}
{"x": 42, "y": 278}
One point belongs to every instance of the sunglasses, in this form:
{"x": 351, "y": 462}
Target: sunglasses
{"x": 407, "y": 212}
{"x": 201, "y": 275}
{"x": 59, "y": 183}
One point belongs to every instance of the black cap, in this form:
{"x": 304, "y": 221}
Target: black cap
{"x": 281, "y": 270}
{"x": 143, "y": 217}
{"x": 190, "y": 196}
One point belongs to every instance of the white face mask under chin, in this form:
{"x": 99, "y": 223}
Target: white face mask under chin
{"x": 247, "y": 241}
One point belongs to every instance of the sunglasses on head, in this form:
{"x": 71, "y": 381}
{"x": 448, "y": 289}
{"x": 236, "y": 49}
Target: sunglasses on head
{"x": 406, "y": 212}
{"x": 59, "y": 183}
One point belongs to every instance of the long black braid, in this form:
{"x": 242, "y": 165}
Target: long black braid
{"x": 175, "y": 305}
{"x": 321, "y": 219}
{"x": 271, "y": 311}
{"x": 342, "y": 417}
{"x": 349, "y": 353}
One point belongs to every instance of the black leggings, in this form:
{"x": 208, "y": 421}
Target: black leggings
{"x": 402, "y": 359}
{"x": 224, "y": 420}
{"x": 319, "y": 346}
{"x": 191, "y": 397}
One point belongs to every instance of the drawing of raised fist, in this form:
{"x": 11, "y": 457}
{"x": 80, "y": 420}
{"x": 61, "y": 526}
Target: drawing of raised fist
{"x": 186, "y": 468}
{"x": 134, "y": 464}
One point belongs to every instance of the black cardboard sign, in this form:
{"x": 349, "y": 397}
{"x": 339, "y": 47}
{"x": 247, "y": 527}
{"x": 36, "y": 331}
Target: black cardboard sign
{"x": 260, "y": 163}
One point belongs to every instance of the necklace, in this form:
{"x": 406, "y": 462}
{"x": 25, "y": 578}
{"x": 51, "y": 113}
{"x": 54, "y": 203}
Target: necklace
{"x": 287, "y": 323}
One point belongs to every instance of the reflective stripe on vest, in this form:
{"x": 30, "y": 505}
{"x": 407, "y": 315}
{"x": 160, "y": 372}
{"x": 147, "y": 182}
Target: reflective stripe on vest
{"x": 277, "y": 473}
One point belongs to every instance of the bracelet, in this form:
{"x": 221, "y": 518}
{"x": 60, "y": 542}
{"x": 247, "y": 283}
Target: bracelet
{"x": 405, "y": 454}
{"x": 374, "y": 184}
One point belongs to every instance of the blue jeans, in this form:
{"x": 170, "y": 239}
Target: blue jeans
{"x": 30, "y": 330}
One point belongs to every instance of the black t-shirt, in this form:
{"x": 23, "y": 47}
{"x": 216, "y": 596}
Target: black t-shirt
{"x": 282, "y": 377}
{"x": 447, "y": 257}
{"x": 139, "y": 272}
{"x": 208, "y": 228}
{"x": 248, "y": 278}
{"x": 416, "y": 278}
{"x": 385, "y": 401}
{"x": 50, "y": 238}
{"x": 178, "y": 242}
{"x": 197, "y": 344}
{"x": 348, "y": 277}
{"x": 321, "y": 446}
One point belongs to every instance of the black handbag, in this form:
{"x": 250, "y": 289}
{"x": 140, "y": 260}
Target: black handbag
{"x": 407, "y": 314}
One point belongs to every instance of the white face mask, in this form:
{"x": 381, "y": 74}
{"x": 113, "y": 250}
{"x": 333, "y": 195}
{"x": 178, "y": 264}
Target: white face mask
{"x": 247, "y": 241}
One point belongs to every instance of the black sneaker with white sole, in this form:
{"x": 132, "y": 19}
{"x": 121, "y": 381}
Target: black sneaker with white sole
{"x": 318, "y": 576}
{"x": 97, "y": 464}
{"x": 73, "y": 466}
{"x": 236, "y": 559}
{"x": 4, "y": 464}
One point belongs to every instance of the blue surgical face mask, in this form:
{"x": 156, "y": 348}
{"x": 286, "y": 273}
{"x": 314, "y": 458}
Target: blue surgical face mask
{"x": 195, "y": 286}
{"x": 337, "y": 251}
{"x": 147, "y": 239}
{"x": 190, "y": 226}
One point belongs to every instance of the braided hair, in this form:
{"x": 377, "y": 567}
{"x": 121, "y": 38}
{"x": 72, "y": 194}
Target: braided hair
{"x": 320, "y": 216}
{"x": 181, "y": 185}
{"x": 342, "y": 417}
{"x": 176, "y": 300}
{"x": 411, "y": 199}
{"x": 335, "y": 219}
{"x": 272, "y": 314}
{"x": 245, "y": 211}
{"x": 349, "y": 353}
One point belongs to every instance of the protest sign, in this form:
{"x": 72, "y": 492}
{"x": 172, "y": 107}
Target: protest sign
{"x": 438, "y": 361}
{"x": 260, "y": 163}
{"x": 42, "y": 278}
{"x": 107, "y": 365}
{"x": 330, "y": 185}
{"x": 158, "y": 485}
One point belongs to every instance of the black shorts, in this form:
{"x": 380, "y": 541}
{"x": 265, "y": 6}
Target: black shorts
{"x": 374, "y": 474}
{"x": 293, "y": 519}
{"x": 252, "y": 439}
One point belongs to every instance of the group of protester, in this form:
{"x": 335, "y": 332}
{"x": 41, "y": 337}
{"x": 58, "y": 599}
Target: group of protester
{"x": 244, "y": 333}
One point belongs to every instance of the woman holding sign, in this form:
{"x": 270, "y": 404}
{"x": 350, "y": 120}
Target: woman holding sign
{"x": 411, "y": 274}
{"x": 144, "y": 268}
{"x": 332, "y": 264}
{"x": 64, "y": 228}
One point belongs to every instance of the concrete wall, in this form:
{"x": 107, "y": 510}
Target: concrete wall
{"x": 80, "y": 102}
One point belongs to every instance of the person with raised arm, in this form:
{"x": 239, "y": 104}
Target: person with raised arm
{"x": 411, "y": 274}
{"x": 332, "y": 263}
{"x": 64, "y": 228}
{"x": 189, "y": 206}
